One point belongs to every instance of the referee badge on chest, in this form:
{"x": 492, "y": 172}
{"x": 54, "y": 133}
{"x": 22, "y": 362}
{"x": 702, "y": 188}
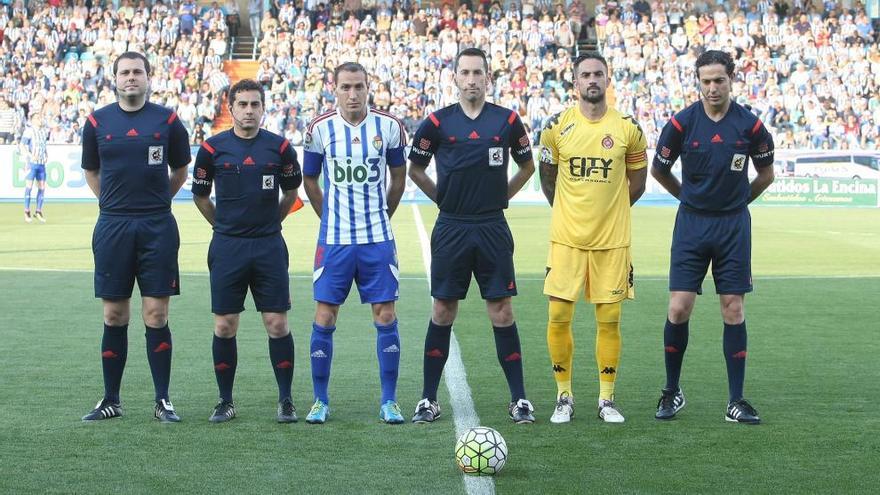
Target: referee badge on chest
{"x": 155, "y": 155}
{"x": 496, "y": 156}
{"x": 738, "y": 162}
{"x": 268, "y": 182}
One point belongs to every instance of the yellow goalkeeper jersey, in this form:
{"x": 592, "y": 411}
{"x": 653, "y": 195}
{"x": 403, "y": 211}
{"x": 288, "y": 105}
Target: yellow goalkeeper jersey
{"x": 591, "y": 208}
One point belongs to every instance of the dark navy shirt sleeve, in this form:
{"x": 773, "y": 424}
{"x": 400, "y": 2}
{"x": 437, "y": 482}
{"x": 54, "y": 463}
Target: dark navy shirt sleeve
{"x": 313, "y": 152}
{"x": 90, "y": 158}
{"x": 394, "y": 155}
{"x": 203, "y": 171}
{"x": 520, "y": 144}
{"x": 426, "y": 141}
{"x": 178, "y": 145}
{"x": 668, "y": 145}
{"x": 291, "y": 175}
{"x": 761, "y": 148}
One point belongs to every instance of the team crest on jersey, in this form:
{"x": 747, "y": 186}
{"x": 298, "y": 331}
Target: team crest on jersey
{"x": 377, "y": 143}
{"x": 738, "y": 162}
{"x": 156, "y": 155}
{"x": 607, "y": 142}
{"x": 308, "y": 139}
{"x": 496, "y": 157}
{"x": 268, "y": 182}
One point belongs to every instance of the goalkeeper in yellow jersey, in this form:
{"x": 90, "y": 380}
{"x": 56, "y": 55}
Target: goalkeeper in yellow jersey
{"x": 593, "y": 167}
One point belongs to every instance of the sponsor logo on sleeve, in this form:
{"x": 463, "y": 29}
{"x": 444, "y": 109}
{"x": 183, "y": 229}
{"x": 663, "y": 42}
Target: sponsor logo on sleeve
{"x": 565, "y": 129}
{"x": 546, "y": 156}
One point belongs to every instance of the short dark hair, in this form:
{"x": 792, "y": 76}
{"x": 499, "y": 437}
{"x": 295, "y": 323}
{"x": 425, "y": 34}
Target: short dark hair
{"x": 133, "y": 56}
{"x": 350, "y": 67}
{"x": 712, "y": 57}
{"x": 472, "y": 52}
{"x": 246, "y": 85}
{"x": 589, "y": 55}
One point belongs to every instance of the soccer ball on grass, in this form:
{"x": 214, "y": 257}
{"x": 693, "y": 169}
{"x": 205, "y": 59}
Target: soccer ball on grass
{"x": 481, "y": 451}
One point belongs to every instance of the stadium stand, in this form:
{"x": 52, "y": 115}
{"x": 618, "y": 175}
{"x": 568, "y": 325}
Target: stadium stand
{"x": 811, "y": 70}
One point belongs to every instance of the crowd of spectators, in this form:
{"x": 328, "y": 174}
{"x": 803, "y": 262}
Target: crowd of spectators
{"x": 811, "y": 70}
{"x": 56, "y": 59}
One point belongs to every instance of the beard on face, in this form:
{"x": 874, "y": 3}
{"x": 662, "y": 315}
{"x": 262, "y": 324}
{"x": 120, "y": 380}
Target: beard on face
{"x": 593, "y": 97}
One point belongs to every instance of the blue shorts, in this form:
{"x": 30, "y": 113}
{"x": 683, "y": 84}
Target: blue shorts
{"x": 37, "y": 172}
{"x": 239, "y": 263}
{"x": 725, "y": 240}
{"x": 136, "y": 247}
{"x": 463, "y": 246}
{"x": 372, "y": 266}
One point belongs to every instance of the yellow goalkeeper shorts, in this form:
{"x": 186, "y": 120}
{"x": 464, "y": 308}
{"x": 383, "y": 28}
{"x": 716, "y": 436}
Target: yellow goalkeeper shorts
{"x": 606, "y": 275}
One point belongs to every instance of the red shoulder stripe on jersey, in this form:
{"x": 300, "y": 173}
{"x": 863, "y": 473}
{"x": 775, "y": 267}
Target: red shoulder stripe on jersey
{"x": 512, "y": 118}
{"x": 399, "y": 123}
{"x": 319, "y": 118}
{"x": 434, "y": 120}
{"x": 93, "y": 121}
{"x": 757, "y": 126}
{"x": 284, "y": 145}
{"x": 172, "y": 117}
{"x": 208, "y": 147}
{"x": 676, "y": 124}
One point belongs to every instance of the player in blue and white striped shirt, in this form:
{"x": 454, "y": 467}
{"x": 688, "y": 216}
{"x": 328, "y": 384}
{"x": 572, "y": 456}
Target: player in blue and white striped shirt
{"x": 33, "y": 149}
{"x": 357, "y": 149}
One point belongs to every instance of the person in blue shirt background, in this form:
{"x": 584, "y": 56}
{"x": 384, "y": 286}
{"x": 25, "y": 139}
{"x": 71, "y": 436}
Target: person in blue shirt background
{"x": 33, "y": 149}
{"x": 249, "y": 166}
{"x": 715, "y": 138}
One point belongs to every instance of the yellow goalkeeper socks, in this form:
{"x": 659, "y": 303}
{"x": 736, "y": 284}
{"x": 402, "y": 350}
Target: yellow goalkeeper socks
{"x": 607, "y": 347}
{"x": 561, "y": 343}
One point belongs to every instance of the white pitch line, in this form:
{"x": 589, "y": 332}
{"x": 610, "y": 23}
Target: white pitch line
{"x": 462, "y": 404}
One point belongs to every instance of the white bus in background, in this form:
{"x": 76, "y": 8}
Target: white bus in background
{"x": 837, "y": 164}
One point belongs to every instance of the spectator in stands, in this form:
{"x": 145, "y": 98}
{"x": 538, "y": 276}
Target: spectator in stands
{"x": 255, "y": 16}
{"x": 233, "y": 17}
{"x": 7, "y": 122}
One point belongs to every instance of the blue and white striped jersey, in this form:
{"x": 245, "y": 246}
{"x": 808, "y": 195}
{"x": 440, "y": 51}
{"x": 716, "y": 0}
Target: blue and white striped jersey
{"x": 34, "y": 139}
{"x": 353, "y": 159}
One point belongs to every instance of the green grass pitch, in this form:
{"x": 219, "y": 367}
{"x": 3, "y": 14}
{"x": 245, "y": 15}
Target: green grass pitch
{"x": 812, "y": 373}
